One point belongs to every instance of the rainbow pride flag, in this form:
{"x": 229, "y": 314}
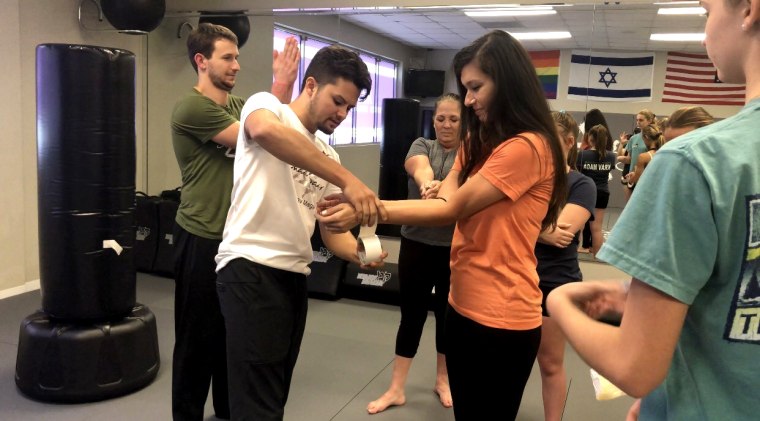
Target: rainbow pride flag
{"x": 547, "y": 69}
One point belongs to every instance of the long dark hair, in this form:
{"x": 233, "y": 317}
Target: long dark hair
{"x": 593, "y": 117}
{"x": 518, "y": 106}
{"x": 602, "y": 138}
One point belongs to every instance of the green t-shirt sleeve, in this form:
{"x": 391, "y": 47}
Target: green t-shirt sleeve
{"x": 200, "y": 117}
{"x": 667, "y": 236}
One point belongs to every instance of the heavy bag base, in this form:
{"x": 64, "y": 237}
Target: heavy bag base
{"x": 327, "y": 272}
{"x": 74, "y": 362}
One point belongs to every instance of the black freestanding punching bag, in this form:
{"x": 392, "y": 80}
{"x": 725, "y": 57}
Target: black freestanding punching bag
{"x": 400, "y": 129}
{"x": 90, "y": 340}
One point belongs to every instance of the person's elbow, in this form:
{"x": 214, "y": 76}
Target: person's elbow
{"x": 450, "y": 214}
{"x": 639, "y": 387}
{"x": 260, "y": 129}
{"x": 639, "y": 380}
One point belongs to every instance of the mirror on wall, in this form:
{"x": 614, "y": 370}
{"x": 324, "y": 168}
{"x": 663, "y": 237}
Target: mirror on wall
{"x": 427, "y": 38}
{"x": 597, "y": 30}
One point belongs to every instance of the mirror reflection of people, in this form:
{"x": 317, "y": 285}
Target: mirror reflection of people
{"x": 423, "y": 262}
{"x": 507, "y": 184}
{"x": 596, "y": 162}
{"x": 629, "y": 150}
{"x": 282, "y": 169}
{"x": 688, "y": 340}
{"x": 593, "y": 117}
{"x": 204, "y": 128}
{"x": 654, "y": 139}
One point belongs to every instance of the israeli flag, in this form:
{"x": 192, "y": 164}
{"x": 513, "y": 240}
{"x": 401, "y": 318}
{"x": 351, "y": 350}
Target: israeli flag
{"x": 611, "y": 76}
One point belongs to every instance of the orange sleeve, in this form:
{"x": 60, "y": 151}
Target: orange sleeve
{"x": 516, "y": 165}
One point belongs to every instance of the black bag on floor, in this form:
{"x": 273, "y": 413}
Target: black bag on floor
{"x": 146, "y": 224}
{"x": 167, "y": 212}
{"x": 327, "y": 270}
{"x": 154, "y": 226}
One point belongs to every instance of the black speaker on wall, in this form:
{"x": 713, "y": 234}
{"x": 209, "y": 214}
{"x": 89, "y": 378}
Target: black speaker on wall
{"x": 400, "y": 129}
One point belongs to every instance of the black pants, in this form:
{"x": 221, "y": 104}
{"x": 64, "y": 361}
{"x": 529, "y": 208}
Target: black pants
{"x": 488, "y": 367}
{"x": 200, "y": 357}
{"x": 265, "y": 317}
{"x": 420, "y": 268}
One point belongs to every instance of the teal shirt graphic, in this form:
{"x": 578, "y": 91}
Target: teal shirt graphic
{"x": 700, "y": 197}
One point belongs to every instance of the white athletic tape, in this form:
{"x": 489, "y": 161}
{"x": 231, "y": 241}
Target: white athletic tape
{"x": 112, "y": 244}
{"x": 370, "y": 248}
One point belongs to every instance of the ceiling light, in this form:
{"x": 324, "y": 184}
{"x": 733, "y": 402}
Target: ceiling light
{"x": 670, "y": 3}
{"x": 681, "y": 11}
{"x": 678, "y": 37}
{"x": 526, "y": 36}
{"x": 454, "y": 6}
{"x": 498, "y": 13}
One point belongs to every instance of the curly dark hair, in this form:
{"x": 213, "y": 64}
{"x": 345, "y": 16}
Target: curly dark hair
{"x": 333, "y": 62}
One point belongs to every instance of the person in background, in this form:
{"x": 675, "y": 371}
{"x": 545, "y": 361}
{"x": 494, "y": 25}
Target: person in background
{"x": 596, "y": 163}
{"x": 424, "y": 256}
{"x": 283, "y": 168}
{"x": 686, "y": 119}
{"x": 629, "y": 150}
{"x": 654, "y": 139}
{"x": 688, "y": 337}
{"x": 557, "y": 256}
{"x": 204, "y": 127}
{"x": 507, "y": 184}
{"x": 592, "y": 118}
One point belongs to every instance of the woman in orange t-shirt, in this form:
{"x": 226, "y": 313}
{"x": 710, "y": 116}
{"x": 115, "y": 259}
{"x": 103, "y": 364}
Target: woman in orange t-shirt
{"x": 507, "y": 184}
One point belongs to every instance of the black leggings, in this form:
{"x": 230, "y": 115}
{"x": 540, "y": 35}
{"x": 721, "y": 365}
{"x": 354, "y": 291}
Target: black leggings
{"x": 488, "y": 367}
{"x": 420, "y": 268}
{"x": 602, "y": 200}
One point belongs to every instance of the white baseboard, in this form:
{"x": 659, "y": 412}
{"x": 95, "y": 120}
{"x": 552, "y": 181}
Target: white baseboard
{"x": 28, "y": 286}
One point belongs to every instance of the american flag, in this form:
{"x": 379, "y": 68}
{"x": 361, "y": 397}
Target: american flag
{"x": 692, "y": 79}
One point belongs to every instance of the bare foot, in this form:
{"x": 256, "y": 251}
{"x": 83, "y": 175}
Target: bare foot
{"x": 388, "y": 399}
{"x": 444, "y": 394}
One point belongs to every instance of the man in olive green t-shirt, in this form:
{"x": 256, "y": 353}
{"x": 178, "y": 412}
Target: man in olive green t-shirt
{"x": 205, "y": 125}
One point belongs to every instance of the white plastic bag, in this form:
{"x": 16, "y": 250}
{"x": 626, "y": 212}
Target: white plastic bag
{"x": 603, "y": 388}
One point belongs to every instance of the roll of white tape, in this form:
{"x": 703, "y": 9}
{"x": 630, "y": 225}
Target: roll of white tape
{"x": 370, "y": 248}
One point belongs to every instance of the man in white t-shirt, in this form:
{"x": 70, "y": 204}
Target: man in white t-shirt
{"x": 282, "y": 170}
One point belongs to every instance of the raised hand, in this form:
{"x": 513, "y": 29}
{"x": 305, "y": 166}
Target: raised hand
{"x": 285, "y": 69}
